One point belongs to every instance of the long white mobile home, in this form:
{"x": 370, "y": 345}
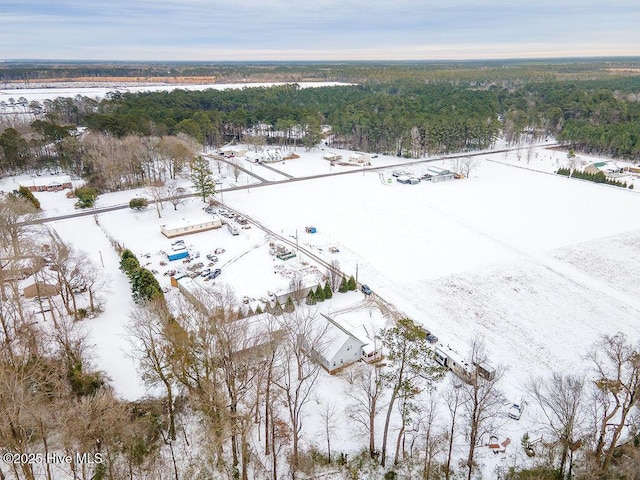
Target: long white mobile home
{"x": 191, "y": 225}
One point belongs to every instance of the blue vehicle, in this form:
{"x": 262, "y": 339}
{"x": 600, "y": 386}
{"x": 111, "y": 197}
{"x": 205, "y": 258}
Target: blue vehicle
{"x": 366, "y": 290}
{"x": 214, "y": 273}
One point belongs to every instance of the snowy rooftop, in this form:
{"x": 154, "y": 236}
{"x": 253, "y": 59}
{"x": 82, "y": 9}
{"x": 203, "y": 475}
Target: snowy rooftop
{"x": 190, "y": 222}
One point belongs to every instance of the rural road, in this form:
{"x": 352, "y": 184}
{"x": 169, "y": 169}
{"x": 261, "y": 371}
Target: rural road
{"x": 267, "y": 183}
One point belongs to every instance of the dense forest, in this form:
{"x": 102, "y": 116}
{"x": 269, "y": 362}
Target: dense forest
{"x": 403, "y": 109}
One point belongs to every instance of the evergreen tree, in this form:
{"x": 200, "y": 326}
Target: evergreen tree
{"x": 277, "y": 309}
{"x": 352, "y": 283}
{"x": 311, "y": 297}
{"x": 86, "y": 196}
{"x": 202, "y": 178}
{"x": 259, "y": 310}
{"x": 28, "y": 195}
{"x": 320, "y": 294}
{"x": 328, "y": 293}
{"x": 138, "y": 203}
{"x": 145, "y": 286}
{"x": 126, "y": 254}
{"x": 289, "y": 306}
{"x": 344, "y": 286}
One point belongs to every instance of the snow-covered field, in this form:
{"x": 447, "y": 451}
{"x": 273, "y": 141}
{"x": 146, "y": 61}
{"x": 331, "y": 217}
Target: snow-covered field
{"x": 537, "y": 264}
{"x": 99, "y": 92}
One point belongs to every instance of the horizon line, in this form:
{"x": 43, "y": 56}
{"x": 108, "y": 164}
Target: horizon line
{"x": 413, "y": 60}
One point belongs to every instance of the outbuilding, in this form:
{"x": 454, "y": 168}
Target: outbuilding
{"x": 178, "y": 254}
{"x": 41, "y": 289}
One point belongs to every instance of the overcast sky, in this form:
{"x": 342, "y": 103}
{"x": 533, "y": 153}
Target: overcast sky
{"x": 211, "y": 30}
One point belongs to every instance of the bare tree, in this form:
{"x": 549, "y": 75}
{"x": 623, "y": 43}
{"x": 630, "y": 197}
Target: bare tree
{"x": 150, "y": 347}
{"x": 481, "y": 402}
{"x": 468, "y": 165}
{"x": 175, "y": 194}
{"x": 296, "y": 373}
{"x": 454, "y": 401}
{"x": 16, "y": 215}
{"x": 296, "y": 287}
{"x": 432, "y": 437}
{"x": 235, "y": 170}
{"x": 616, "y": 363}
{"x": 334, "y": 275}
{"x": 329, "y": 418}
{"x": 157, "y": 192}
{"x": 561, "y": 399}
{"x": 365, "y": 392}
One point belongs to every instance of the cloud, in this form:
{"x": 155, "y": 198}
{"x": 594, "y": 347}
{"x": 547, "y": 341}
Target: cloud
{"x": 213, "y": 30}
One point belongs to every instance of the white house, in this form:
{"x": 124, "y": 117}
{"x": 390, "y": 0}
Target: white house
{"x": 339, "y": 347}
{"x": 191, "y": 225}
{"x": 610, "y": 169}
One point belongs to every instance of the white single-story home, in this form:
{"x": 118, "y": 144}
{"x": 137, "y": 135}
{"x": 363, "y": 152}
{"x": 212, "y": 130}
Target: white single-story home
{"x": 47, "y": 184}
{"x": 608, "y": 168}
{"x": 340, "y": 347}
{"x": 191, "y": 225}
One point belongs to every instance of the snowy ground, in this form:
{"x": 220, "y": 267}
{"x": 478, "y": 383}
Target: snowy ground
{"x": 100, "y": 91}
{"x": 537, "y": 264}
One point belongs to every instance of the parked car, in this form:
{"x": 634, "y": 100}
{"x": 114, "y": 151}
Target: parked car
{"x": 515, "y": 411}
{"x": 215, "y": 273}
{"x": 366, "y": 290}
{"x": 205, "y": 272}
{"x": 431, "y": 338}
{"x": 212, "y": 258}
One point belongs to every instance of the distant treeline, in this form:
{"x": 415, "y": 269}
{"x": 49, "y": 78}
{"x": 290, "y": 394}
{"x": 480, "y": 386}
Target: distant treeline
{"x": 479, "y": 73}
{"x": 400, "y": 109}
{"x": 404, "y": 118}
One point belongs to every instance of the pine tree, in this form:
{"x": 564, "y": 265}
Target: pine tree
{"x": 311, "y": 297}
{"x": 328, "y": 293}
{"x": 25, "y": 193}
{"x": 320, "y": 294}
{"x": 352, "y": 283}
{"x": 344, "y": 286}
{"x": 289, "y": 306}
{"x": 259, "y": 310}
{"x": 202, "y": 178}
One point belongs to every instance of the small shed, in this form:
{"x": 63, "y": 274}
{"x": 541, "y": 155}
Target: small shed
{"x": 177, "y": 255}
{"x": 191, "y": 225}
{"x": 41, "y": 289}
{"x": 440, "y": 174}
{"x": 332, "y": 157}
{"x": 360, "y": 158}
